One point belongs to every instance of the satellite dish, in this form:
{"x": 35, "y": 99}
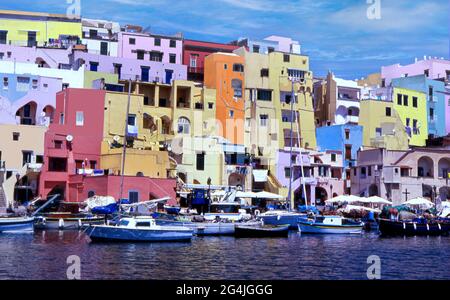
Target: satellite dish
{"x": 116, "y": 138}
{"x": 69, "y": 138}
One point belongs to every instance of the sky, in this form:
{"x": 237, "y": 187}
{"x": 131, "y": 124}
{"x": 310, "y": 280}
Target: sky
{"x": 336, "y": 35}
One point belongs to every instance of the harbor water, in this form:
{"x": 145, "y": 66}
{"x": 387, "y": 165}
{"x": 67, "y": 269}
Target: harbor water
{"x": 43, "y": 255}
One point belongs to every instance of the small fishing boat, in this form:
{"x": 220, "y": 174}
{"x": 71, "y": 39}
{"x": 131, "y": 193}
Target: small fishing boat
{"x": 265, "y": 231}
{"x": 17, "y": 224}
{"x": 230, "y": 211}
{"x": 413, "y": 227}
{"x": 201, "y": 228}
{"x": 138, "y": 229}
{"x": 281, "y": 217}
{"x": 330, "y": 225}
{"x": 66, "y": 221}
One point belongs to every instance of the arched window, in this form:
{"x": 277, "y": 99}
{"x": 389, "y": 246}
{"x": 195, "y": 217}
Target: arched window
{"x": 184, "y": 126}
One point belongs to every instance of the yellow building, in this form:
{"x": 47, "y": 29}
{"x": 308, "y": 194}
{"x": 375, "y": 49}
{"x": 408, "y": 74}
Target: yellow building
{"x": 158, "y": 126}
{"x": 411, "y": 106}
{"x": 21, "y": 28}
{"x": 382, "y": 125}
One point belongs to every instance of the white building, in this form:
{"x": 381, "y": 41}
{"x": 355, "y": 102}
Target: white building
{"x": 101, "y": 37}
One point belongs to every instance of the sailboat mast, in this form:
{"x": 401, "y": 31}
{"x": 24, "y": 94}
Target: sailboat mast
{"x": 124, "y": 151}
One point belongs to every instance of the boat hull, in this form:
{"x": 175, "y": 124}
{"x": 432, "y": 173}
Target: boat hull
{"x": 66, "y": 223}
{"x": 327, "y": 229}
{"x": 291, "y": 220}
{"x": 202, "y": 229}
{"x": 394, "y": 228}
{"x": 17, "y": 225}
{"x": 118, "y": 234}
{"x": 262, "y": 232}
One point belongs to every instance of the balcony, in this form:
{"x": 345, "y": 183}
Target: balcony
{"x": 196, "y": 70}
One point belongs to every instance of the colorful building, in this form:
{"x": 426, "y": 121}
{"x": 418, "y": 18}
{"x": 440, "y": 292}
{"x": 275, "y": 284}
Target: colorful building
{"x": 32, "y": 29}
{"x": 435, "y": 100}
{"x": 195, "y": 52}
{"x": 382, "y": 125}
{"x": 87, "y": 140}
{"x": 403, "y": 175}
{"x": 224, "y": 72}
{"x": 411, "y": 106}
{"x": 101, "y": 37}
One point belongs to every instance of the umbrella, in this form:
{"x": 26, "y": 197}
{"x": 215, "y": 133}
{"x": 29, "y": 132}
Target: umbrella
{"x": 344, "y": 199}
{"x": 378, "y": 200}
{"x": 246, "y": 195}
{"x": 349, "y": 208}
{"x": 419, "y": 202}
{"x": 267, "y": 195}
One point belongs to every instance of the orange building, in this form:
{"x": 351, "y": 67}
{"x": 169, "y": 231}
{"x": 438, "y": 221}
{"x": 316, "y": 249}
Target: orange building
{"x": 225, "y": 73}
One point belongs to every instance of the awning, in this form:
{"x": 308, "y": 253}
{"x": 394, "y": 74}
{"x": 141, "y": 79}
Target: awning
{"x": 260, "y": 175}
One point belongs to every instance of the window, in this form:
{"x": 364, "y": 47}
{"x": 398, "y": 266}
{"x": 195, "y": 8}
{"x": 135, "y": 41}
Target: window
{"x": 140, "y": 54}
{"x": 294, "y": 73}
{"x": 287, "y": 172}
{"x": 173, "y": 58}
{"x": 16, "y": 136}
{"x": 39, "y": 159}
{"x": 256, "y": 48}
{"x": 415, "y": 129}
{"x": 432, "y": 114}
{"x": 363, "y": 173}
{"x": 347, "y": 134}
{"x": 236, "y": 84}
{"x": 2, "y": 55}
{"x": 200, "y": 161}
{"x": 93, "y": 164}
{"x": 271, "y": 49}
{"x": 225, "y": 67}
{"x": 93, "y": 33}
{"x": 3, "y": 37}
{"x": 264, "y": 95}
{"x": 173, "y": 44}
{"x": 131, "y": 120}
{"x": 57, "y": 164}
{"x": 348, "y": 152}
{"x": 388, "y": 112}
{"x": 333, "y": 157}
{"x": 23, "y": 84}
{"x": 427, "y": 73}
{"x": 193, "y": 60}
{"x": 5, "y": 83}
{"x": 264, "y": 72}
{"x": 399, "y": 99}
{"x": 430, "y": 92}
{"x": 79, "y": 118}
{"x": 210, "y": 105}
{"x": 378, "y": 132}
{"x": 26, "y": 157}
{"x": 238, "y": 68}
{"x": 61, "y": 119}
{"x": 415, "y": 101}
{"x": 286, "y": 58}
{"x": 133, "y": 196}
{"x": 231, "y": 113}
{"x": 264, "y": 120}
{"x": 93, "y": 66}
{"x": 157, "y": 42}
{"x": 132, "y": 41}
{"x": 405, "y": 100}
{"x": 34, "y": 84}
{"x": 157, "y": 56}
{"x": 184, "y": 125}
{"x": 408, "y": 122}
{"x": 369, "y": 171}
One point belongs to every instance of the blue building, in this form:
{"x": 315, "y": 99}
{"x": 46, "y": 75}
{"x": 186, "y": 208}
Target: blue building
{"x": 346, "y": 138}
{"x": 436, "y": 105}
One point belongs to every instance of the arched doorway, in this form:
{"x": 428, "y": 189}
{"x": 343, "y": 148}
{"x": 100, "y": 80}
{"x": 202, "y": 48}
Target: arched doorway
{"x": 373, "y": 190}
{"x": 321, "y": 196}
{"x": 48, "y": 113}
{"x": 165, "y": 125}
{"x": 27, "y": 113}
{"x": 237, "y": 180}
{"x": 425, "y": 167}
{"x": 427, "y": 191}
{"x": 444, "y": 167}
{"x": 444, "y": 193}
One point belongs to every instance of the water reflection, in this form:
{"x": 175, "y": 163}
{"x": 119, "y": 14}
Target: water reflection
{"x": 43, "y": 256}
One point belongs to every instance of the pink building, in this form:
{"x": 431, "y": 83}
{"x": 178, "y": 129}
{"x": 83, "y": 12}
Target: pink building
{"x": 432, "y": 68}
{"x": 150, "y": 47}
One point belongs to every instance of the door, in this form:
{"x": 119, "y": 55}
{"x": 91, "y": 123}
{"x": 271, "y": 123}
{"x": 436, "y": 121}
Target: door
{"x": 169, "y": 76}
{"x": 104, "y": 48}
{"x": 32, "y": 38}
{"x": 3, "y": 37}
{"x": 145, "y": 74}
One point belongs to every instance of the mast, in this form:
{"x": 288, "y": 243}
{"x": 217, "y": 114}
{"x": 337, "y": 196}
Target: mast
{"x": 124, "y": 151}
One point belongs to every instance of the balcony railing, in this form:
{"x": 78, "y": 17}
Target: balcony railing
{"x": 51, "y": 43}
{"x": 196, "y": 70}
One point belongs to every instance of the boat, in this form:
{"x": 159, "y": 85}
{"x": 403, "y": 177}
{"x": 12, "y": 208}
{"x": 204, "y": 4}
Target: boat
{"x": 202, "y": 228}
{"x": 17, "y": 224}
{"x": 414, "y": 227}
{"x": 138, "y": 229}
{"x": 330, "y": 225}
{"x": 230, "y": 211}
{"x": 264, "y": 231}
{"x": 281, "y": 217}
{"x": 66, "y": 221}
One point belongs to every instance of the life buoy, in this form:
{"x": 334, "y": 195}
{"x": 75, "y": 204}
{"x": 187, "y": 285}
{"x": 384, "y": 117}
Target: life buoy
{"x": 257, "y": 212}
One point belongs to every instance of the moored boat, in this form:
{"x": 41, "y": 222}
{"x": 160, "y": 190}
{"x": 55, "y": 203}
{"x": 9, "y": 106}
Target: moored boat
{"x": 281, "y": 217}
{"x": 202, "y": 228}
{"x": 414, "y": 227}
{"x": 17, "y": 225}
{"x": 138, "y": 229}
{"x": 330, "y": 225}
{"x": 66, "y": 221}
{"x": 265, "y": 231}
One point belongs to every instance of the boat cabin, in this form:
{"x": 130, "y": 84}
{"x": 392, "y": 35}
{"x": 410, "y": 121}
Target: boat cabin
{"x": 138, "y": 222}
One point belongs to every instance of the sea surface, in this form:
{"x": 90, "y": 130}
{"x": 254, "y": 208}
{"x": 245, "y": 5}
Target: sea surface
{"x": 43, "y": 255}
